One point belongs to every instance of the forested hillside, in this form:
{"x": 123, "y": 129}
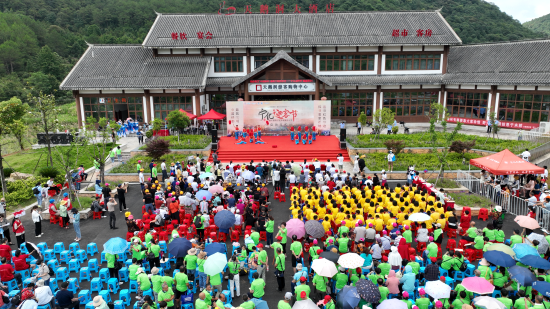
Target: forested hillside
{"x": 541, "y": 24}
{"x": 40, "y": 40}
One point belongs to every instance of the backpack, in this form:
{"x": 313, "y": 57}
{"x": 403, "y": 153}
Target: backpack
{"x": 197, "y": 222}
{"x": 35, "y": 191}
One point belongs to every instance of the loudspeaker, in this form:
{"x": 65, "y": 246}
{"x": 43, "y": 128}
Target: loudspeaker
{"x": 343, "y": 145}
{"x": 342, "y": 134}
{"x": 214, "y": 146}
{"x": 214, "y": 133}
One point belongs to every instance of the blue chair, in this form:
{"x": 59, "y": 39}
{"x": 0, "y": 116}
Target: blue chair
{"x": 175, "y": 272}
{"x": 73, "y": 285}
{"x": 450, "y": 282}
{"x": 121, "y": 257}
{"x": 46, "y": 306}
{"x": 125, "y": 297}
{"x": 53, "y": 285}
{"x": 14, "y": 293}
{"x": 62, "y": 274}
{"x": 133, "y": 286}
{"x": 146, "y": 266}
{"x": 12, "y": 285}
{"x": 459, "y": 275}
{"x": 53, "y": 264}
{"x": 470, "y": 270}
{"x": 23, "y": 248}
{"x": 91, "y": 248}
{"x": 90, "y": 305}
{"x": 49, "y": 255}
{"x": 149, "y": 292}
{"x": 74, "y": 247}
{"x": 187, "y": 306}
{"x": 104, "y": 274}
{"x": 103, "y": 257}
{"x": 24, "y": 273}
{"x": 81, "y": 255}
{"x": 96, "y": 285}
{"x": 443, "y": 272}
{"x": 58, "y": 247}
{"x": 74, "y": 265}
{"x": 497, "y": 293}
{"x": 35, "y": 271}
{"x": 162, "y": 245}
{"x": 228, "y": 298}
{"x": 128, "y": 262}
{"x": 112, "y": 285}
{"x": 106, "y": 295}
{"x": 93, "y": 266}
{"x": 250, "y": 274}
{"x": 26, "y": 282}
{"x": 85, "y": 274}
{"x": 123, "y": 274}
{"x": 165, "y": 265}
{"x": 42, "y": 246}
{"x": 85, "y": 296}
{"x": 65, "y": 256}
{"x": 119, "y": 304}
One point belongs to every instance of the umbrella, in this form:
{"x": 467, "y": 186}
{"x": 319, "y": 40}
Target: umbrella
{"x": 499, "y": 258}
{"x": 437, "y": 289}
{"x": 19, "y": 214}
{"x": 248, "y": 175}
{"x": 535, "y": 261}
{"x": 258, "y": 304}
{"x": 204, "y": 175}
{"x": 295, "y": 227}
{"x": 368, "y": 291}
{"x": 215, "y": 189}
{"x": 203, "y": 193}
{"x": 115, "y": 245}
{"x": 502, "y": 248}
{"x": 351, "y": 260}
{"x": 348, "y": 298}
{"x": 488, "y": 303}
{"x": 522, "y": 250}
{"x": 542, "y": 287}
{"x": 393, "y": 303}
{"x": 324, "y": 267}
{"x": 224, "y": 219}
{"x": 543, "y": 243}
{"x": 527, "y": 222}
{"x": 214, "y": 248}
{"x": 215, "y": 264}
{"x": 32, "y": 247}
{"x": 179, "y": 247}
{"x": 522, "y": 275}
{"x": 315, "y": 229}
{"x": 331, "y": 256}
{"x": 419, "y": 217}
{"x": 305, "y": 304}
{"x": 478, "y": 285}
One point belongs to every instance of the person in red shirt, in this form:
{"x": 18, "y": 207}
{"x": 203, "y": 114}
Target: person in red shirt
{"x": 7, "y": 273}
{"x": 331, "y": 184}
{"x": 20, "y": 260}
{"x": 5, "y": 250}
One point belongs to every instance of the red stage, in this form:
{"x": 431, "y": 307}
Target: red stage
{"x": 325, "y": 147}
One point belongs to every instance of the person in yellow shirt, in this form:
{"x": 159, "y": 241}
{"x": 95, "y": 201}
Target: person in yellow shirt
{"x": 407, "y": 221}
{"x": 442, "y": 220}
{"x": 326, "y": 224}
{"x": 389, "y": 224}
{"x": 321, "y": 211}
{"x": 401, "y": 216}
{"x": 385, "y": 215}
{"x": 433, "y": 214}
{"x": 378, "y": 223}
{"x": 339, "y": 217}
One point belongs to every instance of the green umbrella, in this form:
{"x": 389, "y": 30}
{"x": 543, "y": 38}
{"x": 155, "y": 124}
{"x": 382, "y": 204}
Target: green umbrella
{"x": 502, "y": 248}
{"x": 215, "y": 264}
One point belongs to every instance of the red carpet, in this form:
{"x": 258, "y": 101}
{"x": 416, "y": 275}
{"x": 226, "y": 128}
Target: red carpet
{"x": 325, "y": 147}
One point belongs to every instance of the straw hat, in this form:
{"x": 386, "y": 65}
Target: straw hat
{"x": 98, "y": 301}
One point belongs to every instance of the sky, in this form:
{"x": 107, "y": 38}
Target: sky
{"x": 523, "y": 10}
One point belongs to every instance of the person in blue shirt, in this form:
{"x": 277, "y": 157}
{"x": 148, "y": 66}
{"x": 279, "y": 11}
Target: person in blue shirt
{"x": 408, "y": 280}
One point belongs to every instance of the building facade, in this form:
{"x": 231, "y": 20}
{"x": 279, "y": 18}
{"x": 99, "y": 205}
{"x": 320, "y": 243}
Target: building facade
{"x": 360, "y": 61}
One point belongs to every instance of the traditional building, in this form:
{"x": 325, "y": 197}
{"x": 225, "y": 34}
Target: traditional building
{"x": 361, "y": 61}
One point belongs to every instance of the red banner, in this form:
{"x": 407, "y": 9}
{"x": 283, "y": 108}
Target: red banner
{"x": 502, "y": 124}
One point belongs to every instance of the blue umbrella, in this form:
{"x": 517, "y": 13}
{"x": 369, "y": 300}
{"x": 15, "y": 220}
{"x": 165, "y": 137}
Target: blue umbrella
{"x": 259, "y": 304}
{"x": 348, "y": 298}
{"x": 215, "y": 248}
{"x": 224, "y": 220}
{"x": 115, "y": 245}
{"x": 522, "y": 275}
{"x": 535, "y": 261}
{"x": 203, "y": 193}
{"x": 542, "y": 287}
{"x": 179, "y": 247}
{"x": 522, "y": 250}
{"x": 499, "y": 258}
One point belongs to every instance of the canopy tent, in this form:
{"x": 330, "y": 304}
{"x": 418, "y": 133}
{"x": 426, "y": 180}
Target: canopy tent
{"x": 191, "y": 116}
{"x": 212, "y": 115}
{"x": 506, "y": 163}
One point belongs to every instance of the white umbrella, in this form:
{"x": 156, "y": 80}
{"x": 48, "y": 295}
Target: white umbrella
{"x": 351, "y": 260}
{"x": 419, "y": 217}
{"x": 543, "y": 243}
{"x": 324, "y": 267}
{"x": 488, "y": 303}
{"x": 248, "y": 175}
{"x": 437, "y": 289}
{"x": 305, "y": 304}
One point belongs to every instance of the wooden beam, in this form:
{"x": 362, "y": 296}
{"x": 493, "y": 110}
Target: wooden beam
{"x": 314, "y": 62}
{"x": 248, "y": 60}
{"x": 198, "y": 102}
{"x": 445, "y": 57}
{"x": 379, "y": 68}
{"x": 246, "y": 96}
{"x": 317, "y": 97}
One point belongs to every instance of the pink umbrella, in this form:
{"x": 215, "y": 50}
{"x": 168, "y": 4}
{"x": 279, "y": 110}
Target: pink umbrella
{"x": 478, "y": 285}
{"x": 215, "y": 189}
{"x": 295, "y": 227}
{"x": 527, "y": 222}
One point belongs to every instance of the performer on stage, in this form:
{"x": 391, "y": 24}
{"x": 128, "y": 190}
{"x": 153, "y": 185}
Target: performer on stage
{"x": 241, "y": 138}
{"x": 304, "y": 139}
{"x": 259, "y": 131}
{"x": 310, "y": 137}
{"x": 291, "y": 133}
{"x": 313, "y": 132}
{"x": 251, "y": 135}
{"x": 255, "y": 134}
{"x": 236, "y": 132}
{"x": 298, "y": 135}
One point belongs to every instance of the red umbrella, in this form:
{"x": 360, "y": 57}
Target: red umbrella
{"x": 506, "y": 163}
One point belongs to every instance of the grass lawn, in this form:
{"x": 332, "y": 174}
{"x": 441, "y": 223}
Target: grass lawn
{"x": 421, "y": 161}
{"x": 130, "y": 166}
{"x": 444, "y": 183}
{"x": 470, "y": 200}
{"x": 187, "y": 141}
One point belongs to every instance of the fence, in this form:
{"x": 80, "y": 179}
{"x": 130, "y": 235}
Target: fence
{"x": 512, "y": 204}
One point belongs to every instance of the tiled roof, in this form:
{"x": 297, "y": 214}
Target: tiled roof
{"x": 220, "y": 81}
{"x": 287, "y": 30}
{"x": 363, "y": 80}
{"x": 134, "y": 67}
{"x": 510, "y": 63}
{"x": 280, "y": 55}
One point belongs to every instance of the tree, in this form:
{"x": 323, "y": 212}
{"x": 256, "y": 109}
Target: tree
{"x": 67, "y": 159}
{"x": 438, "y": 112}
{"x": 157, "y": 124}
{"x": 49, "y": 62}
{"x": 98, "y": 141}
{"x": 19, "y": 129}
{"x": 42, "y": 83}
{"x": 448, "y": 139}
{"x": 45, "y": 109}
{"x": 382, "y": 118}
{"x": 10, "y": 112}
{"x": 362, "y": 120}
{"x": 178, "y": 121}
{"x": 156, "y": 148}
{"x": 494, "y": 123}
{"x": 462, "y": 147}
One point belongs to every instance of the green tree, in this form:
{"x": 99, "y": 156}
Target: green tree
{"x": 45, "y": 110}
{"x": 362, "y": 120}
{"x": 438, "y": 112}
{"x": 382, "y": 118}
{"x": 99, "y": 142}
{"x": 42, "y": 83}
{"x": 178, "y": 121}
{"x": 49, "y": 62}
{"x": 157, "y": 124}
{"x": 448, "y": 139}
{"x": 10, "y": 55}
{"x": 494, "y": 123}
{"x": 11, "y": 111}
{"x": 19, "y": 129}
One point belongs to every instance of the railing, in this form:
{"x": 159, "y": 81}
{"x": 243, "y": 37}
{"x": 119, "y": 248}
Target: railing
{"x": 535, "y": 136}
{"x": 511, "y": 203}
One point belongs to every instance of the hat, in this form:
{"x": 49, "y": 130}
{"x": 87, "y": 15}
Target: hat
{"x": 154, "y": 271}
{"x": 303, "y": 293}
{"x": 98, "y": 301}
{"x": 327, "y": 299}
{"x": 65, "y": 194}
{"x": 406, "y": 227}
{"x": 421, "y": 292}
{"x": 370, "y": 224}
{"x": 484, "y": 262}
{"x": 315, "y": 241}
{"x": 360, "y": 222}
{"x": 192, "y": 251}
{"x": 384, "y": 232}
{"x": 288, "y": 296}
{"x": 442, "y": 278}
{"x": 395, "y": 224}
{"x": 384, "y": 258}
{"x": 260, "y": 246}
{"x": 52, "y": 200}
{"x": 405, "y": 294}
{"x": 431, "y": 238}
{"x": 498, "y": 208}
{"x": 319, "y": 251}
{"x": 343, "y": 222}
{"x": 63, "y": 202}
{"x": 299, "y": 266}
{"x": 340, "y": 268}
{"x": 438, "y": 304}
{"x": 433, "y": 259}
{"x": 40, "y": 283}
{"x": 139, "y": 271}
{"x": 127, "y": 214}
{"x": 130, "y": 217}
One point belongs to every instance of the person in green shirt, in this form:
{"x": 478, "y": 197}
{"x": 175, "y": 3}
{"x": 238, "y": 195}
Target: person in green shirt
{"x": 167, "y": 295}
{"x": 112, "y": 155}
{"x": 269, "y": 225}
{"x": 143, "y": 282}
{"x": 341, "y": 279}
{"x": 469, "y": 295}
{"x": 329, "y": 241}
{"x": 384, "y": 291}
{"x": 216, "y": 282}
{"x": 375, "y": 274}
{"x": 438, "y": 232}
{"x": 208, "y": 294}
{"x": 422, "y": 302}
{"x": 320, "y": 283}
{"x": 516, "y": 239}
{"x": 200, "y": 303}
{"x": 247, "y": 303}
{"x": 233, "y": 267}
{"x": 156, "y": 279}
{"x": 313, "y": 255}
{"x": 138, "y": 166}
{"x": 280, "y": 266}
{"x": 285, "y": 303}
{"x": 296, "y": 248}
{"x": 499, "y": 236}
{"x": 432, "y": 249}
{"x": 190, "y": 262}
{"x": 406, "y": 299}
{"x": 448, "y": 259}
{"x": 500, "y": 278}
{"x": 182, "y": 285}
{"x": 407, "y": 234}
{"x": 485, "y": 270}
{"x": 343, "y": 243}
{"x": 262, "y": 261}
{"x": 255, "y": 236}
{"x": 111, "y": 259}
{"x": 302, "y": 291}
{"x": 257, "y": 286}
{"x": 282, "y": 233}
{"x": 136, "y": 248}
{"x": 132, "y": 269}
{"x": 505, "y": 300}
{"x": 343, "y": 229}
{"x": 154, "y": 172}
{"x": 472, "y": 232}
{"x": 155, "y": 249}
{"x": 489, "y": 232}
{"x": 221, "y": 301}
{"x": 329, "y": 302}
{"x": 118, "y": 153}
{"x": 479, "y": 241}
{"x": 522, "y": 302}
{"x": 275, "y": 245}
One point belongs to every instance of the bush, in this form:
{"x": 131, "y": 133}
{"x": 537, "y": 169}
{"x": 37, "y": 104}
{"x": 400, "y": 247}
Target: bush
{"x": 20, "y": 190}
{"x": 395, "y": 129}
{"x": 48, "y": 171}
{"x": 156, "y": 148}
{"x": 8, "y": 171}
{"x": 395, "y": 145}
{"x": 149, "y": 134}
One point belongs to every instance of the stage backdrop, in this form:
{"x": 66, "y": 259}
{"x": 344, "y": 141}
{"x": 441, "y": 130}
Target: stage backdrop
{"x": 276, "y": 117}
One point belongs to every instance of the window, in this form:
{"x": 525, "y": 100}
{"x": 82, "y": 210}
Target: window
{"x": 114, "y": 108}
{"x": 413, "y": 62}
{"x": 303, "y": 60}
{"x": 228, "y": 64}
{"x": 347, "y": 63}
{"x": 467, "y": 104}
{"x": 164, "y": 105}
{"x": 351, "y": 104}
{"x": 410, "y": 103}
{"x": 523, "y": 107}
{"x": 261, "y": 60}
{"x": 217, "y": 101}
